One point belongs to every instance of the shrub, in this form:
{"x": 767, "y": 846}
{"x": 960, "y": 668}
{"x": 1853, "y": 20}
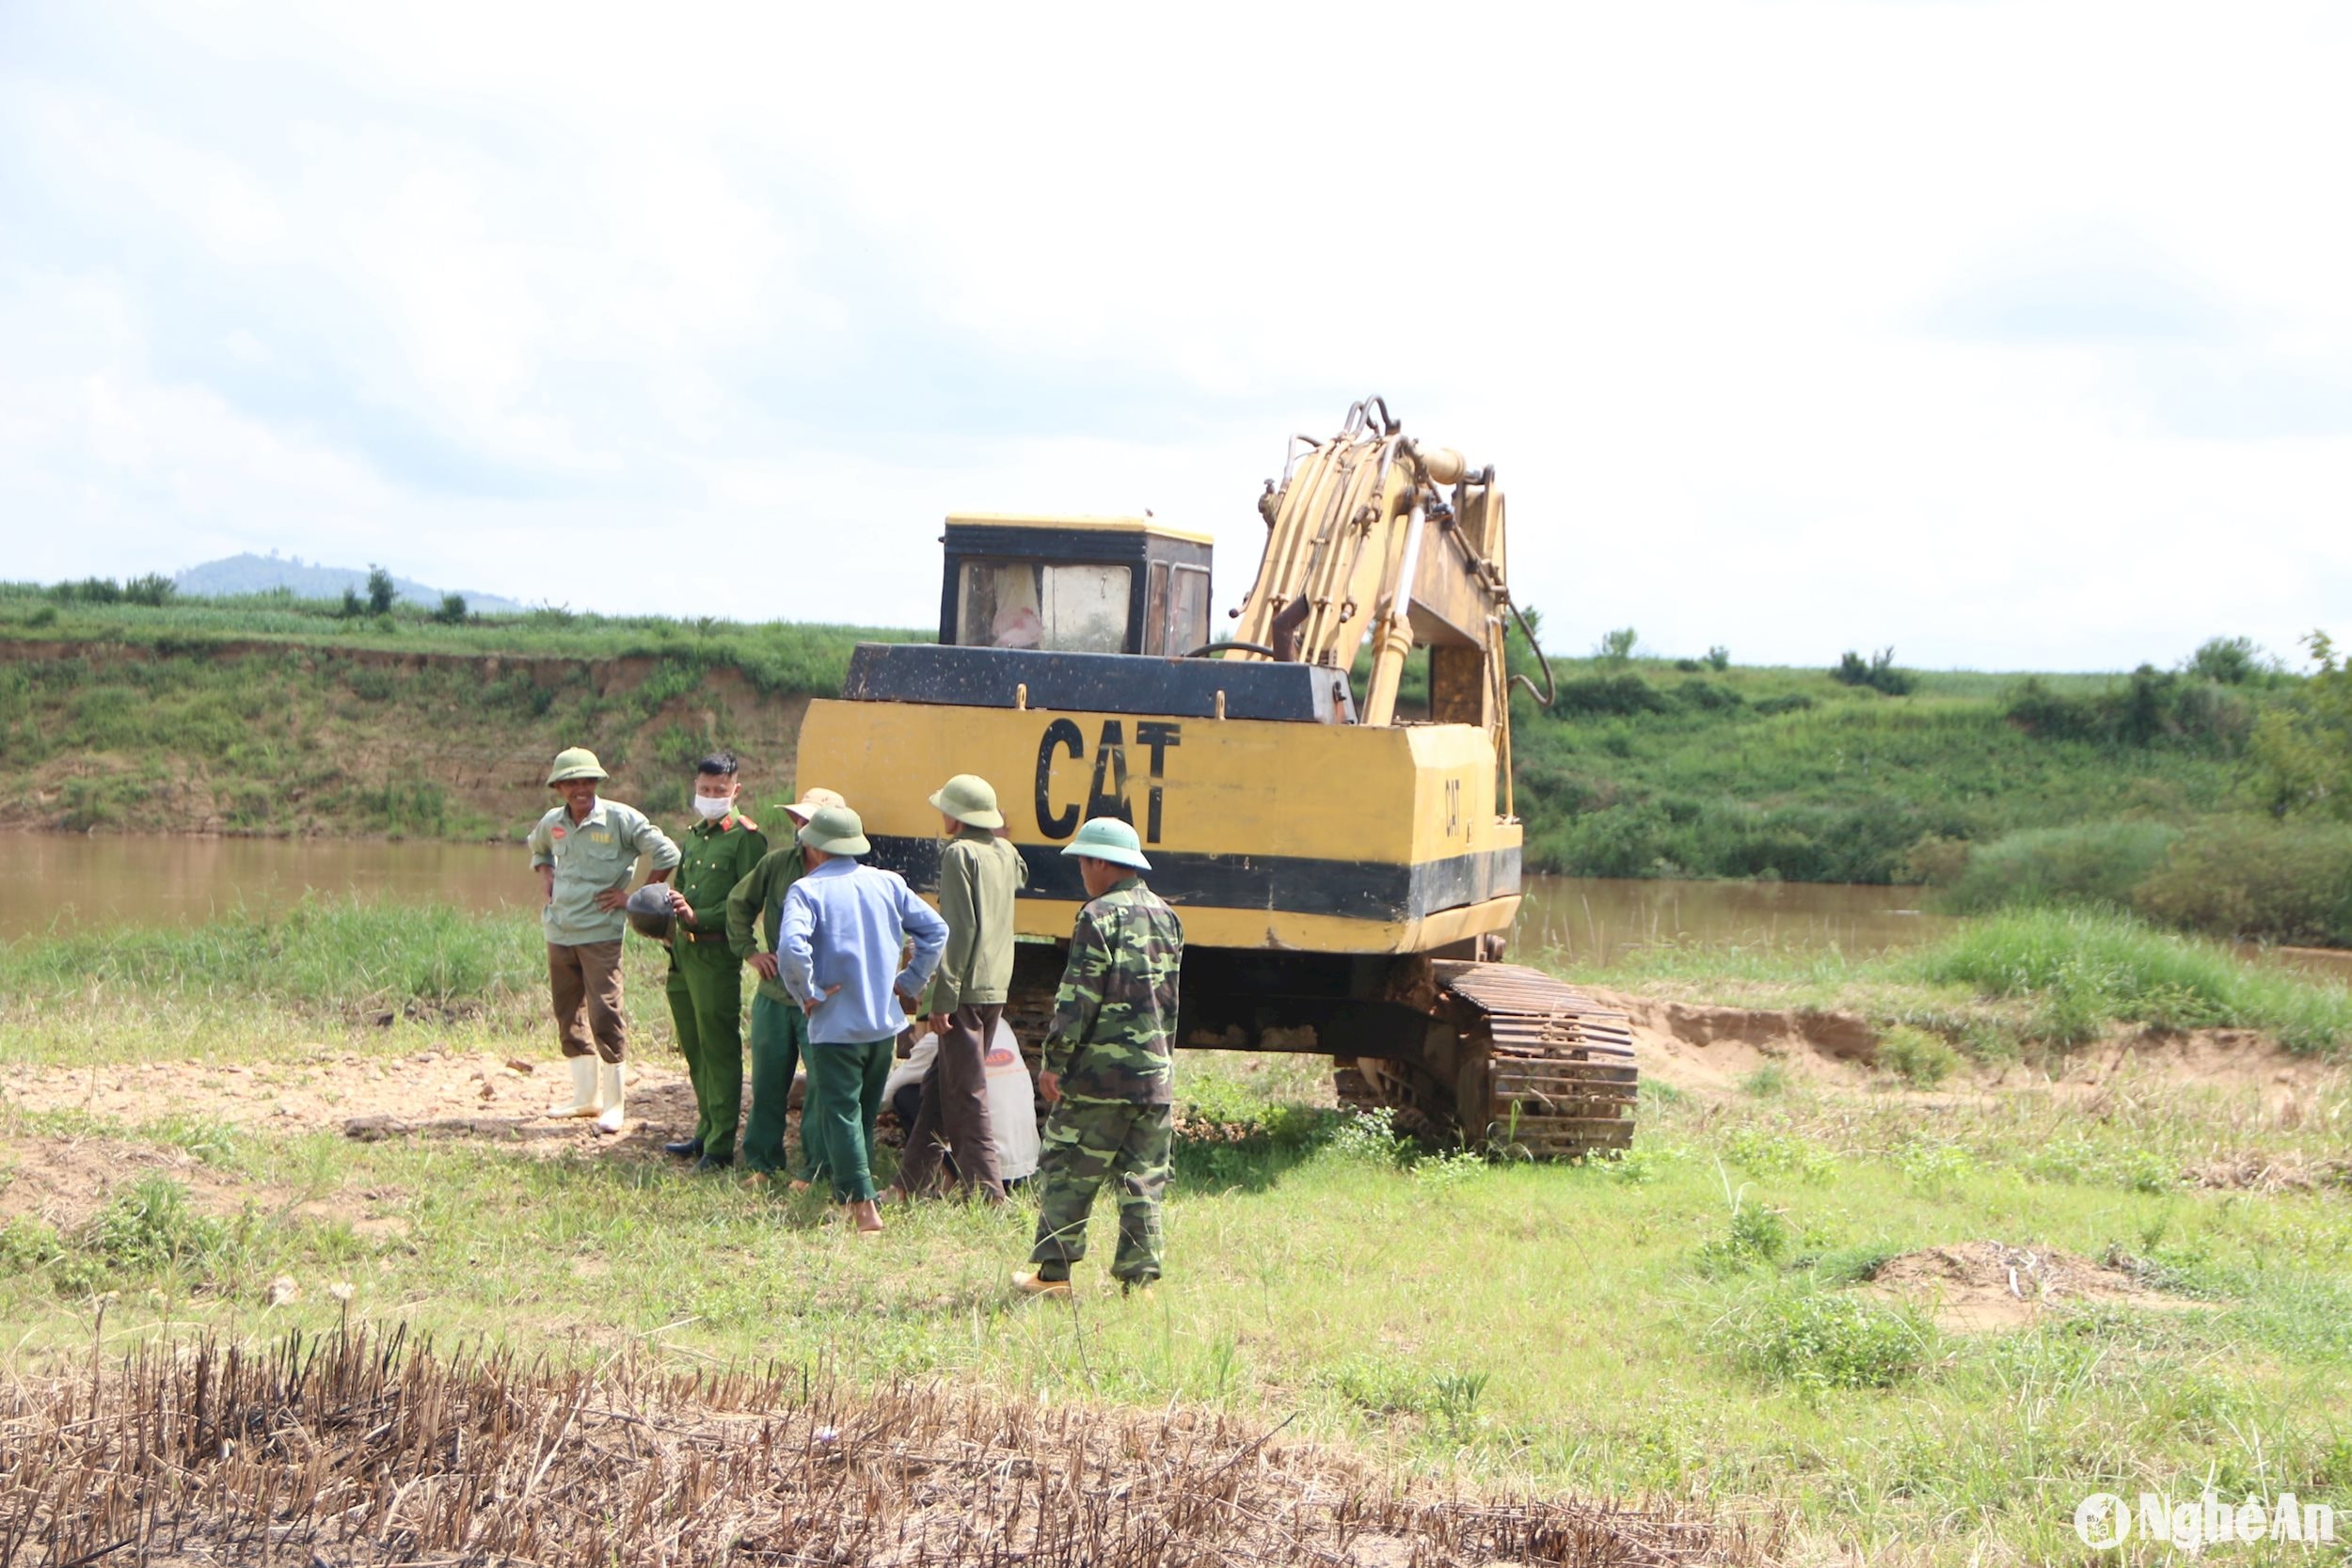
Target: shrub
{"x": 2256, "y": 880}
{"x": 2097, "y": 863}
{"x": 1755, "y": 1235}
{"x": 1917, "y": 1057}
{"x": 1617, "y": 646}
{"x": 1719, "y": 658}
{"x": 352, "y": 607}
{"x": 380, "y": 590}
{"x": 1709, "y": 696}
{"x": 88, "y": 590}
{"x": 1877, "y": 673}
{"x": 453, "y": 610}
{"x": 1936, "y": 860}
{"x": 1791, "y": 702}
{"x": 2230, "y": 660}
{"x": 2302, "y": 752}
{"x": 154, "y": 591}
{"x": 1622, "y": 695}
{"x": 2151, "y": 708}
{"x": 151, "y": 1227}
{"x": 1816, "y": 1341}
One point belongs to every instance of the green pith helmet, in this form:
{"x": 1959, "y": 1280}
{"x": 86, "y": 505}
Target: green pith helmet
{"x": 970, "y": 800}
{"x": 575, "y": 762}
{"x": 651, "y": 912}
{"x": 1106, "y": 838}
{"x": 836, "y": 831}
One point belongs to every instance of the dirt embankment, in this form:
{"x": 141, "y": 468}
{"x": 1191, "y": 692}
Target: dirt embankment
{"x": 1711, "y": 1050}
{"x": 268, "y": 738}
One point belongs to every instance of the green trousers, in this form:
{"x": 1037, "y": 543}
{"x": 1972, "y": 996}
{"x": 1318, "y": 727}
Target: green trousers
{"x": 779, "y": 1040}
{"x": 706, "y": 1006}
{"x": 1086, "y": 1140}
{"x": 844, "y": 1096}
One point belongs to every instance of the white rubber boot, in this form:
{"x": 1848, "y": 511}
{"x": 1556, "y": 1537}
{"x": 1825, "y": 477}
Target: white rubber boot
{"x": 610, "y": 1078}
{"x": 583, "y": 1089}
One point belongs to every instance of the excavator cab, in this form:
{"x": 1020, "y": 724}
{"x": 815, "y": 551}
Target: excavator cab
{"x": 1086, "y": 585}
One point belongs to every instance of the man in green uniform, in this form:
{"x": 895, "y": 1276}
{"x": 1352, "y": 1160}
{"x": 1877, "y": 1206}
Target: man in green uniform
{"x": 779, "y": 1027}
{"x": 584, "y": 851}
{"x": 705, "y": 976}
{"x": 1107, "y": 1072}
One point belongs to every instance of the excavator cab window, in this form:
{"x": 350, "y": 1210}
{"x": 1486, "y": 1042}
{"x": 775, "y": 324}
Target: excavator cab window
{"x": 1176, "y": 616}
{"x": 1070, "y": 607}
{"x": 1074, "y": 585}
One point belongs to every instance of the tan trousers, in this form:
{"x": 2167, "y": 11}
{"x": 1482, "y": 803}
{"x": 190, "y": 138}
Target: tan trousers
{"x": 585, "y": 980}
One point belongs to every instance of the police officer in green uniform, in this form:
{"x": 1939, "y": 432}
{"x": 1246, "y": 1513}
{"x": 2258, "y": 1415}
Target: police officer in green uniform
{"x": 705, "y": 976}
{"x": 1107, "y": 1071}
{"x": 779, "y": 1027}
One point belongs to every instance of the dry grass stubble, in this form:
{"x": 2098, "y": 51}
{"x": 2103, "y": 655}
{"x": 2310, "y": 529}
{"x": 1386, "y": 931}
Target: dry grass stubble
{"x": 360, "y": 1448}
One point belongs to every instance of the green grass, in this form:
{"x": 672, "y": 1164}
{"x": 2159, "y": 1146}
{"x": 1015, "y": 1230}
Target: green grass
{"x": 1572, "y": 1327}
{"x": 1646, "y": 770}
{"x": 280, "y": 977}
{"x": 2084, "y": 971}
{"x": 1687, "y": 1321}
{"x": 779, "y": 657}
{"x": 2098, "y": 863}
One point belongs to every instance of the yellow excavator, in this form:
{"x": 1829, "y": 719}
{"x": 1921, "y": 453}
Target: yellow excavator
{"x": 1345, "y": 862}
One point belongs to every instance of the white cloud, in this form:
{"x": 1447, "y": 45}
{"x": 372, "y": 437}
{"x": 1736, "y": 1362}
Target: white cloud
{"x": 2010, "y": 335}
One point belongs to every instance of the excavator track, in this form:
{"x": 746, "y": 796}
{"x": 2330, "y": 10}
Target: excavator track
{"x": 1556, "y": 1066}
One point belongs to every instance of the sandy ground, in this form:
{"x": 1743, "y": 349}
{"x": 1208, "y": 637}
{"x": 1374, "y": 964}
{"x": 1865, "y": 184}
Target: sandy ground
{"x": 433, "y": 1093}
{"x": 64, "y": 1178}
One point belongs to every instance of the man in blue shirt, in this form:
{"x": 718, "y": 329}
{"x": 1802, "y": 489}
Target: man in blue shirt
{"x": 844, "y": 926}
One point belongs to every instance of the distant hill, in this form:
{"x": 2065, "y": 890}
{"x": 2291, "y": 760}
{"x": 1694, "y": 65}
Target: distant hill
{"x": 259, "y": 574}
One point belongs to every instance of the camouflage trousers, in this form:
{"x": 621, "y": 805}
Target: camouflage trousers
{"x": 1085, "y": 1141}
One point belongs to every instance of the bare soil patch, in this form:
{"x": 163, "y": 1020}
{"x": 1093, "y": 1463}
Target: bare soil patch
{"x": 62, "y": 1181}
{"x": 362, "y": 1450}
{"x": 431, "y": 1094}
{"x": 1987, "y": 1286}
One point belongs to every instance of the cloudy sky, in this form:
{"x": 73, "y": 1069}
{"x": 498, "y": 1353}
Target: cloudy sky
{"x": 2011, "y": 335}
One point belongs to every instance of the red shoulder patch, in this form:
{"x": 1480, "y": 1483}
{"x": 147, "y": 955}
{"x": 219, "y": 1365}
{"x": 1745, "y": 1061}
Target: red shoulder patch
{"x": 746, "y": 824}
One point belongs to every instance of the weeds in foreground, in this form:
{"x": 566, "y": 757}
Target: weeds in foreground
{"x": 1813, "y": 1341}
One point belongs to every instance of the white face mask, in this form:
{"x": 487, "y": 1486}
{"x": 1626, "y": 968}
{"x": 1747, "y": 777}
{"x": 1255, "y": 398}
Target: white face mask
{"x": 711, "y": 808}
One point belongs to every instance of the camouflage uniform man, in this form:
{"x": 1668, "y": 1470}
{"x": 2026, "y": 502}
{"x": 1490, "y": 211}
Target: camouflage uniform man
{"x": 779, "y": 1028}
{"x": 706, "y": 977}
{"x": 584, "y": 851}
{"x": 1107, "y": 1073}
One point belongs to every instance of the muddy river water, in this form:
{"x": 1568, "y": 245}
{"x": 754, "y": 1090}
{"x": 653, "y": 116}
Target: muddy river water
{"x": 60, "y": 881}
